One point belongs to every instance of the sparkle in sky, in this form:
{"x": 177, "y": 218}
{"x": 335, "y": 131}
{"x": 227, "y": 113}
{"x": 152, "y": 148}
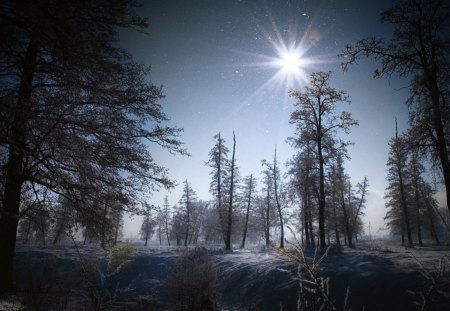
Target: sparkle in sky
{"x": 228, "y": 65}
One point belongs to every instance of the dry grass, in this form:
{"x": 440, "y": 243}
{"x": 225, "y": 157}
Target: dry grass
{"x": 193, "y": 285}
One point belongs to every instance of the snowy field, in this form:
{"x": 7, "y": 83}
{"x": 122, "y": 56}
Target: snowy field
{"x": 379, "y": 275}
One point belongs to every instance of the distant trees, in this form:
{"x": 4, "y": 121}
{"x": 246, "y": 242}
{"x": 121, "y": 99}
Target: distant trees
{"x": 302, "y": 180}
{"x": 224, "y": 178}
{"x": 76, "y": 111}
{"x": 418, "y": 50}
{"x": 187, "y": 206}
{"x": 273, "y": 194}
{"x": 409, "y": 197}
{"x": 316, "y": 124}
{"x": 248, "y": 192}
{"x": 148, "y": 225}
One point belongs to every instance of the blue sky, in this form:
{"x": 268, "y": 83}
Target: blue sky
{"x": 212, "y": 59}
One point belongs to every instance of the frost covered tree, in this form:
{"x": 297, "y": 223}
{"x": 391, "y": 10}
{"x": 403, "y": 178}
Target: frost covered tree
{"x": 218, "y": 161}
{"x": 248, "y": 191}
{"x": 273, "y": 174}
{"x": 166, "y": 218}
{"x": 225, "y": 177}
{"x": 187, "y": 202}
{"x": 76, "y": 110}
{"x": 316, "y": 124}
{"x": 148, "y": 225}
{"x": 232, "y": 181}
{"x": 419, "y": 50}
{"x": 396, "y": 193}
{"x": 266, "y": 210}
{"x": 64, "y": 218}
{"x": 302, "y": 180}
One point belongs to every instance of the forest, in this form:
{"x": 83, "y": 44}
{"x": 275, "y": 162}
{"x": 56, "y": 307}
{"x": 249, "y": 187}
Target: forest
{"x": 80, "y": 122}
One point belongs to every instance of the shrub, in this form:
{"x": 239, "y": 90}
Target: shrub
{"x": 119, "y": 255}
{"x": 193, "y": 284}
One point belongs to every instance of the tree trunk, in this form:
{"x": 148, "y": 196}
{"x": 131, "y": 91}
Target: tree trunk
{"x": 430, "y": 213}
{"x": 348, "y": 229}
{"x": 15, "y": 178}
{"x": 441, "y": 144}
{"x": 306, "y": 224}
{"x": 147, "y": 229}
{"x": 219, "y": 191}
{"x": 116, "y": 233}
{"x": 267, "y": 220}
{"x": 277, "y": 200}
{"x": 167, "y": 228}
{"x": 322, "y": 242}
{"x": 419, "y": 229}
{"x": 247, "y": 213}
{"x": 306, "y": 210}
{"x": 336, "y": 229}
{"x": 230, "y": 205}
{"x": 404, "y": 209}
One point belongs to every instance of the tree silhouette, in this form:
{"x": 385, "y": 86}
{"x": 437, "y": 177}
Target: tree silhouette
{"x": 317, "y": 123}
{"x": 76, "y": 111}
{"x": 418, "y": 50}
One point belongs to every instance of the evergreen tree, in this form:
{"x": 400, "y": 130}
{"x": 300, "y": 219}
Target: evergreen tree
{"x": 187, "y": 202}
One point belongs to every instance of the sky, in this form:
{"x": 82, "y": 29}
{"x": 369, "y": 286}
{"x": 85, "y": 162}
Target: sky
{"x": 222, "y": 68}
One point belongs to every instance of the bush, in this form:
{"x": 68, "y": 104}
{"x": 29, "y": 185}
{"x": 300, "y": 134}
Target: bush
{"x": 194, "y": 282}
{"x": 119, "y": 255}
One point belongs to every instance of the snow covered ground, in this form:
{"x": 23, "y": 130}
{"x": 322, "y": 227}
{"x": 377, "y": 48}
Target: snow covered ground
{"x": 380, "y": 276}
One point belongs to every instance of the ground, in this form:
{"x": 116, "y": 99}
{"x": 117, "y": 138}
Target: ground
{"x": 379, "y": 276}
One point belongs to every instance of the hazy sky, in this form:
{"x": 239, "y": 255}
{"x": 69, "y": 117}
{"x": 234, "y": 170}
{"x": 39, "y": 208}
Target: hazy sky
{"x": 219, "y": 64}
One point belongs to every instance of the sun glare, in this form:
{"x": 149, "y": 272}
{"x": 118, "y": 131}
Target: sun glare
{"x": 290, "y": 62}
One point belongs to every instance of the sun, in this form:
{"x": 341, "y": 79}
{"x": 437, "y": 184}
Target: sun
{"x": 290, "y": 62}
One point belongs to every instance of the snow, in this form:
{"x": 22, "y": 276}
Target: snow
{"x": 380, "y": 275}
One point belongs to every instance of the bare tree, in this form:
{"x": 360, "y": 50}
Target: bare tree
{"x": 419, "y": 50}
{"x": 317, "y": 123}
{"x": 231, "y": 193}
{"x": 267, "y": 210}
{"x": 396, "y": 192}
{"x": 249, "y": 188}
{"x": 276, "y": 177}
{"x": 76, "y": 110}
{"x": 301, "y": 170}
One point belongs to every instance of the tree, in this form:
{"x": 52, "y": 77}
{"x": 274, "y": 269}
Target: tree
{"x": 302, "y": 179}
{"x": 396, "y": 193}
{"x": 276, "y": 178}
{"x": 148, "y": 225}
{"x": 249, "y": 187}
{"x": 266, "y": 211}
{"x": 344, "y": 187}
{"x": 418, "y": 50}
{"x": 316, "y": 124}
{"x": 64, "y": 219}
{"x": 230, "y": 196}
{"x": 187, "y": 203}
{"x": 218, "y": 161}
{"x": 362, "y": 189}
{"x": 165, "y": 214}
{"x": 76, "y": 110}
